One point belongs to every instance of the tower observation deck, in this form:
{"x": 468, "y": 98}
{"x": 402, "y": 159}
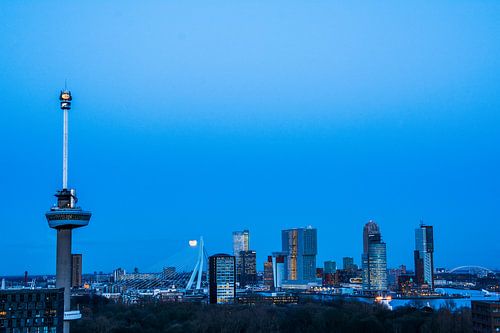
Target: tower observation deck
{"x": 64, "y": 217}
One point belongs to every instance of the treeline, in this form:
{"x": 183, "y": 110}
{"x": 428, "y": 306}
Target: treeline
{"x": 99, "y": 317}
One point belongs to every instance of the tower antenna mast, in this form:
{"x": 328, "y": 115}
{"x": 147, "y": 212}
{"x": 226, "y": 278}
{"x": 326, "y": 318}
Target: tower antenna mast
{"x": 65, "y": 99}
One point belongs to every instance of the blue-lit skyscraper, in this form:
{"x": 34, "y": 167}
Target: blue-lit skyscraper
{"x": 424, "y": 256}
{"x": 64, "y": 217}
{"x": 374, "y": 259}
{"x": 300, "y": 246}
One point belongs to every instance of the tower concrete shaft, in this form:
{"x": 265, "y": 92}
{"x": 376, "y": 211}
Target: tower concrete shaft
{"x": 63, "y": 268}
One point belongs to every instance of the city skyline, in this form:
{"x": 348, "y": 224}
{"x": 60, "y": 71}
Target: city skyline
{"x": 260, "y": 265}
{"x": 387, "y": 112}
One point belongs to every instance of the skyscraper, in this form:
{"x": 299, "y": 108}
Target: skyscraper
{"x": 374, "y": 259}
{"x": 248, "y": 270}
{"x": 279, "y": 270}
{"x": 268, "y": 273}
{"x": 370, "y": 229}
{"x": 300, "y": 246}
{"x": 222, "y": 279}
{"x": 424, "y": 256}
{"x": 64, "y": 217}
{"x": 241, "y": 240}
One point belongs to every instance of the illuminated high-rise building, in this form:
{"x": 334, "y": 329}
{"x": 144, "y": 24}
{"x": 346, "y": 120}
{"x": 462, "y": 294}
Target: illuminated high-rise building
{"x": 268, "y": 273}
{"x": 64, "y": 217}
{"x": 424, "y": 256}
{"x": 241, "y": 242}
{"x": 248, "y": 270}
{"x": 222, "y": 279}
{"x": 370, "y": 229}
{"x": 374, "y": 259}
{"x": 300, "y": 246}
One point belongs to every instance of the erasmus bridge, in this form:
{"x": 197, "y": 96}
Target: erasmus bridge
{"x": 185, "y": 271}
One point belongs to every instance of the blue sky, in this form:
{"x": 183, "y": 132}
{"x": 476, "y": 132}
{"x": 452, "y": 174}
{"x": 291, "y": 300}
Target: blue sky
{"x": 195, "y": 118}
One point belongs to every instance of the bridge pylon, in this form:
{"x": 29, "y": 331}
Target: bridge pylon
{"x": 198, "y": 268}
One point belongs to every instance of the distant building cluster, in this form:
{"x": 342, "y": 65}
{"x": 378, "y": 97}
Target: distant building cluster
{"x": 295, "y": 266}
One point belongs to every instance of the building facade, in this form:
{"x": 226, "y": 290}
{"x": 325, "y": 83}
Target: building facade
{"x": 424, "y": 256}
{"x": 485, "y": 316}
{"x": 241, "y": 242}
{"x": 118, "y": 274}
{"x": 374, "y": 259}
{"x": 279, "y": 269}
{"x": 346, "y": 276}
{"x": 268, "y": 273}
{"x": 222, "y": 279}
{"x": 76, "y": 270}
{"x": 328, "y": 273}
{"x": 32, "y": 310}
{"x": 275, "y": 298}
{"x": 248, "y": 269}
{"x": 300, "y": 246}
{"x": 348, "y": 263}
{"x": 329, "y": 267}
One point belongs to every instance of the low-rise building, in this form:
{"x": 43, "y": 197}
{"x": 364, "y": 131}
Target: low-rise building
{"x": 268, "y": 298}
{"x": 485, "y": 316}
{"x": 32, "y": 310}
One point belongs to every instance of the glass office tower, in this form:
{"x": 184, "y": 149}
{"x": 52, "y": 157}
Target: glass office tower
{"x": 300, "y": 246}
{"x": 424, "y": 256}
{"x": 374, "y": 259}
{"x": 241, "y": 242}
{"x": 248, "y": 270}
{"x": 222, "y": 279}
